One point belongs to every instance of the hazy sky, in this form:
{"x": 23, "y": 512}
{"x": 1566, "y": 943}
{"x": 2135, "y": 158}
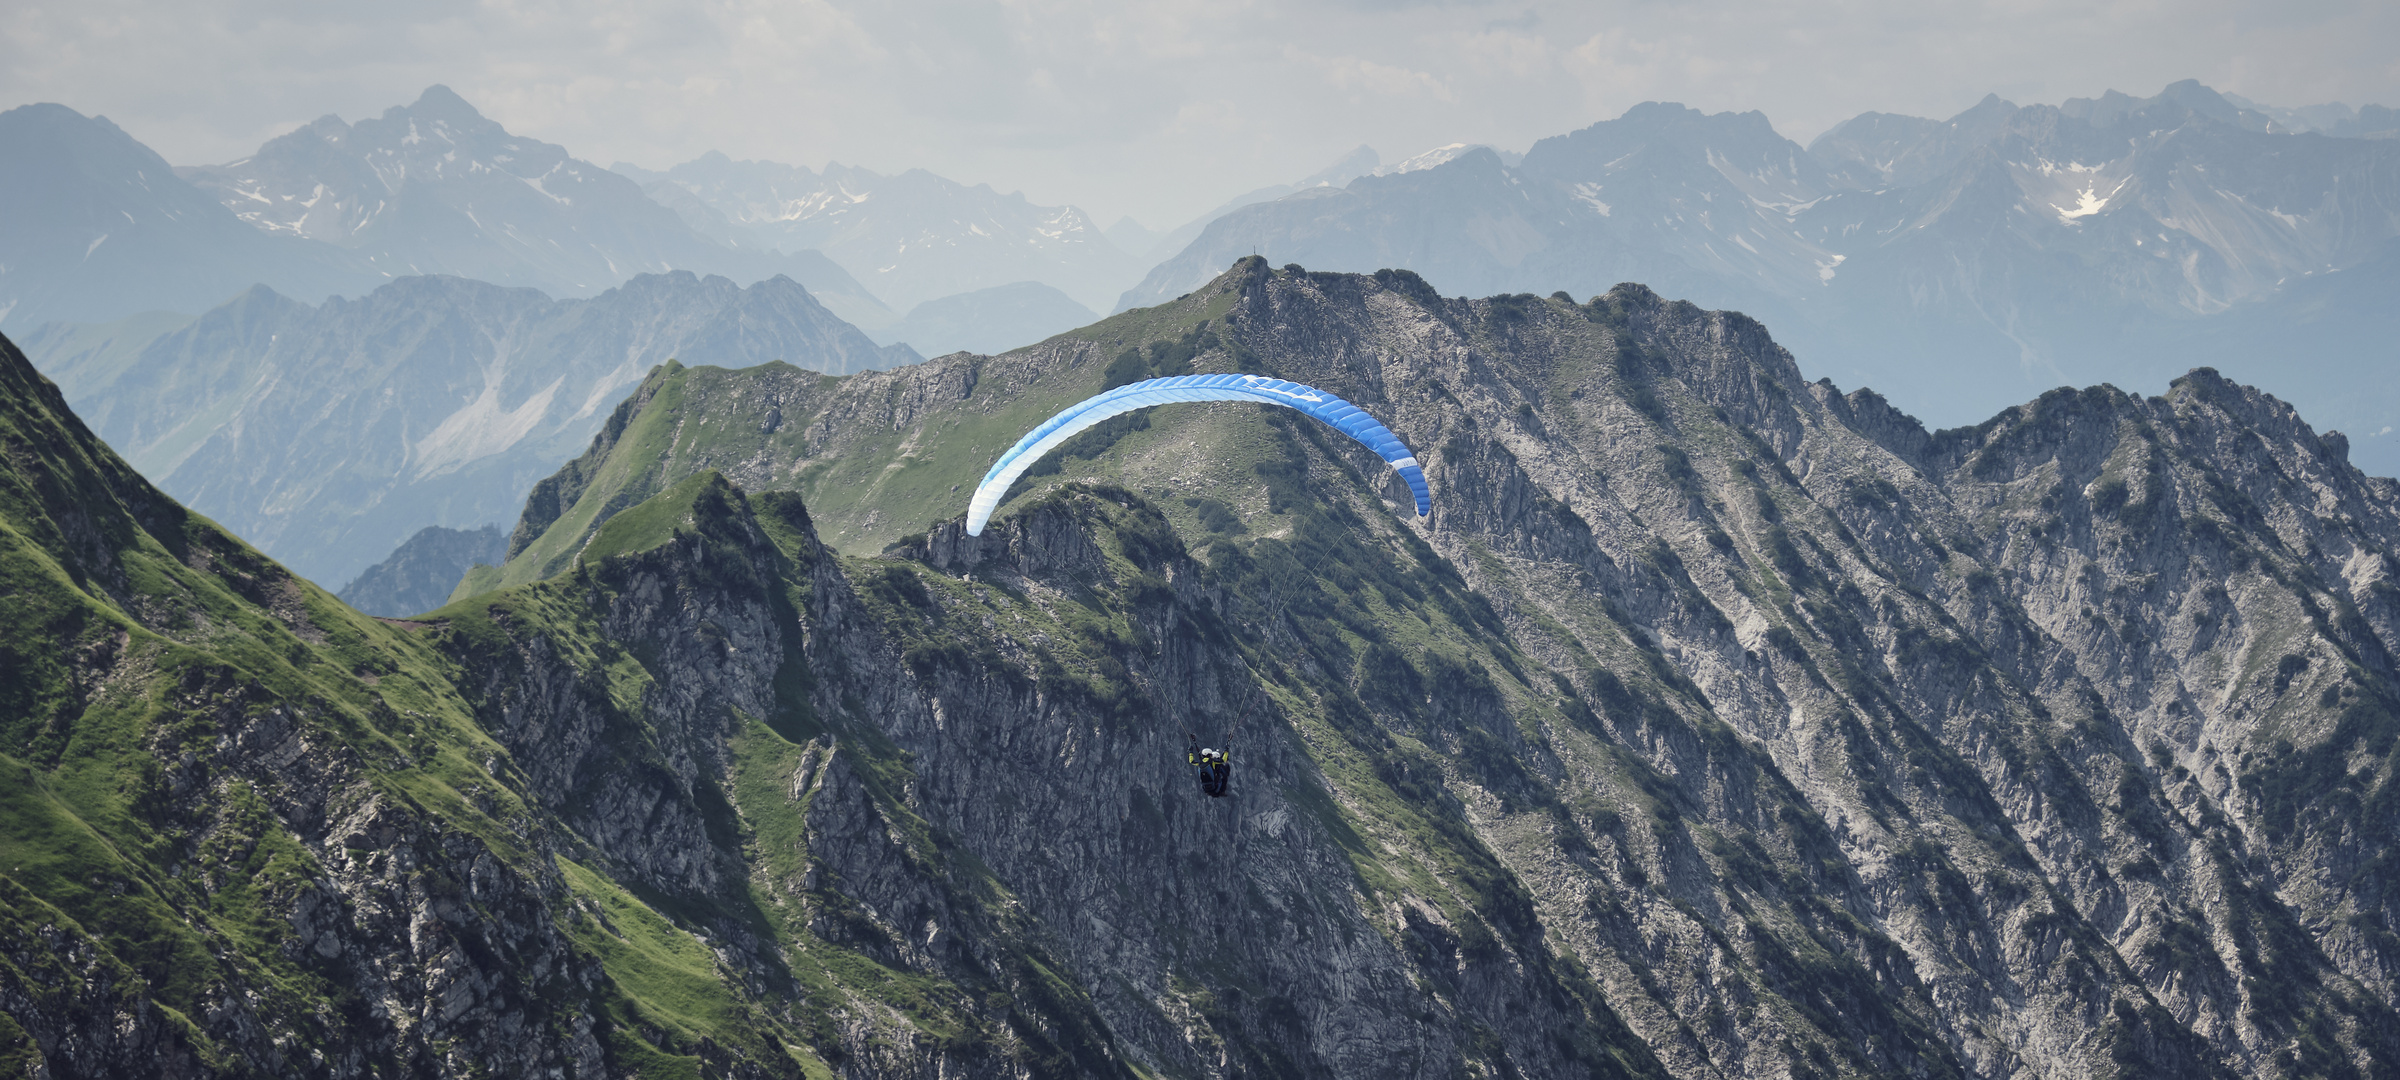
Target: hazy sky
{"x": 1159, "y": 110}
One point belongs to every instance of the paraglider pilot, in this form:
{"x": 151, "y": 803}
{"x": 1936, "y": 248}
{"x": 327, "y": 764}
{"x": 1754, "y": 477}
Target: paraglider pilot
{"x": 1216, "y": 774}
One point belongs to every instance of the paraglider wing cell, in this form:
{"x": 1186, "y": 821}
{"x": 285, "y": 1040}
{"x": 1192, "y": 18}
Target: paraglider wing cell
{"x": 1075, "y": 419}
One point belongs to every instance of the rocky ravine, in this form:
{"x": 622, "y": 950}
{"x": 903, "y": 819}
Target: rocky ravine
{"x": 1716, "y": 724}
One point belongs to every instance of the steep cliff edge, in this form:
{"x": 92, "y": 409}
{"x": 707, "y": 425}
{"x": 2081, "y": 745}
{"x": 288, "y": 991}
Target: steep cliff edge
{"x": 248, "y": 831}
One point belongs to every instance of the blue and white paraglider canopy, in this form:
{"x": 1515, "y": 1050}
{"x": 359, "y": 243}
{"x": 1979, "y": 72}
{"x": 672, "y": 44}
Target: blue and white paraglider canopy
{"x": 1074, "y": 419}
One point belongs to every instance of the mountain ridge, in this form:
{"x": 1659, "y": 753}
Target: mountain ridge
{"x": 411, "y": 191}
{"x": 990, "y": 320}
{"x": 1957, "y": 266}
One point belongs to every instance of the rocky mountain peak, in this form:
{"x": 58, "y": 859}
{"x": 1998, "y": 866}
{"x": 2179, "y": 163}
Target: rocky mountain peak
{"x": 95, "y": 225}
{"x": 1361, "y": 160}
{"x": 50, "y": 131}
{"x": 1655, "y": 125}
{"x": 1440, "y": 155}
{"x": 1459, "y": 167}
{"x": 333, "y": 181}
{"x": 441, "y": 104}
{"x": 1991, "y": 103}
{"x": 435, "y": 187}
{"x": 1875, "y": 150}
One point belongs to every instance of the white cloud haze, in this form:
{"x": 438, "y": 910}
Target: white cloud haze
{"x": 1159, "y": 110}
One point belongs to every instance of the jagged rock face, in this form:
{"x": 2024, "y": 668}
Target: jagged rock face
{"x": 1999, "y": 737}
{"x": 1224, "y": 937}
{"x": 1300, "y": 968}
{"x": 1815, "y": 742}
{"x": 1715, "y": 724}
{"x": 2000, "y": 663}
{"x": 696, "y": 613}
{"x": 221, "y": 859}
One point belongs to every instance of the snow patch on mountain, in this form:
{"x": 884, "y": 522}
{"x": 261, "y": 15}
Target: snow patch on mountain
{"x": 1440, "y": 155}
{"x": 2087, "y": 203}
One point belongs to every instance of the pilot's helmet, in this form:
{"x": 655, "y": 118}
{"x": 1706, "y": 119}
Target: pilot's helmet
{"x": 1208, "y": 753}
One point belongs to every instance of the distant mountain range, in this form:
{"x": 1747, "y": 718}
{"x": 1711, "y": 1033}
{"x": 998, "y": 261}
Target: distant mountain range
{"x": 1360, "y": 161}
{"x": 95, "y": 226}
{"x": 911, "y": 238}
{"x": 330, "y": 433}
{"x": 1130, "y": 234}
{"x": 1955, "y": 266}
{"x": 990, "y": 320}
{"x": 2334, "y": 118}
{"x": 436, "y": 188}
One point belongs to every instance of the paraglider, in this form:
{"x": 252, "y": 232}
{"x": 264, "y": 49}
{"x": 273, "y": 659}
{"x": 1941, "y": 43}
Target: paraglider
{"x": 1215, "y": 772}
{"x": 1074, "y": 419}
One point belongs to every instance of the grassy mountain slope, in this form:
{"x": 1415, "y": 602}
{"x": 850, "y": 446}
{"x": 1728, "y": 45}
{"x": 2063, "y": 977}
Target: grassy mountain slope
{"x": 252, "y": 832}
{"x": 862, "y": 449}
{"x": 206, "y": 754}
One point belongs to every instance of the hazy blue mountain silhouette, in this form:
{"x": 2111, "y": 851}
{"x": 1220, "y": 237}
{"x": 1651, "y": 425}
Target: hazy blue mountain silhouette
{"x": 329, "y": 433}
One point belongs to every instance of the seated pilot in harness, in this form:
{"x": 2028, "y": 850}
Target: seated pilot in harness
{"x": 1216, "y": 774}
